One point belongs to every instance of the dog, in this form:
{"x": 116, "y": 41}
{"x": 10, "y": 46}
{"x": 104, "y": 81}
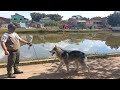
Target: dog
{"x": 66, "y": 57}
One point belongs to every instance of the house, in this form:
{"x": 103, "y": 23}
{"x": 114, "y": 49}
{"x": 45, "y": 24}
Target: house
{"x": 76, "y": 21}
{"x": 4, "y": 25}
{"x": 90, "y": 24}
{"x": 98, "y": 23}
{"x": 19, "y": 19}
{"x": 115, "y": 28}
{"x": 64, "y": 24}
{"x": 5, "y": 20}
{"x": 45, "y": 20}
{"x": 39, "y": 25}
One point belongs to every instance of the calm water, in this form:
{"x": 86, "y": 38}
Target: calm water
{"x": 89, "y": 43}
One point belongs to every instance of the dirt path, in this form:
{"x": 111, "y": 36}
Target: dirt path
{"x": 108, "y": 68}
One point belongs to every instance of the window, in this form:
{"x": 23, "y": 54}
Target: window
{"x": 15, "y": 19}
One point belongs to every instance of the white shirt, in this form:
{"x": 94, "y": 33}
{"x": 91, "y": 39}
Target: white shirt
{"x": 5, "y": 36}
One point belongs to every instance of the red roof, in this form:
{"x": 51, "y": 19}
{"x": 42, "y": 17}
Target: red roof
{"x": 4, "y": 19}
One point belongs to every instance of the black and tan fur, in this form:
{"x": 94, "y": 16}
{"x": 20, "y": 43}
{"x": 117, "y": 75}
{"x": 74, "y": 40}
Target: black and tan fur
{"x": 66, "y": 57}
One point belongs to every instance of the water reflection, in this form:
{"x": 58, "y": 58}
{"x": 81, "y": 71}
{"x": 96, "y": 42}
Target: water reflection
{"x": 42, "y": 50}
{"x": 90, "y": 43}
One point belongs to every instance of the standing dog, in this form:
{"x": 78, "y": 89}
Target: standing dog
{"x": 68, "y": 56}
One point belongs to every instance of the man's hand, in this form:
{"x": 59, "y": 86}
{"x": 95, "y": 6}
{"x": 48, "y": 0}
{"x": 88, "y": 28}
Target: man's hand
{"x": 29, "y": 43}
{"x": 7, "y": 53}
{"x": 4, "y": 48}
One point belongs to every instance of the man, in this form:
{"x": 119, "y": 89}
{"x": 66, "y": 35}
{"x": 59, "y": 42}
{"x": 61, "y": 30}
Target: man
{"x": 10, "y": 43}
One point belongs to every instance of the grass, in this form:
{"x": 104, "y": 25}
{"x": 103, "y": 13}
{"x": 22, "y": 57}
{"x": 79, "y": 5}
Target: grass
{"x": 40, "y": 30}
{"x": 113, "y": 53}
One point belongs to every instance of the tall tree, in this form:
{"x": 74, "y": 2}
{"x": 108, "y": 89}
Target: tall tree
{"x": 114, "y": 19}
{"x": 55, "y": 17}
{"x": 51, "y": 23}
{"x": 37, "y": 16}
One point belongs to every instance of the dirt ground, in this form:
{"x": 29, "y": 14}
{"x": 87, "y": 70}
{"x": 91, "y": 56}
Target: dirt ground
{"x": 108, "y": 68}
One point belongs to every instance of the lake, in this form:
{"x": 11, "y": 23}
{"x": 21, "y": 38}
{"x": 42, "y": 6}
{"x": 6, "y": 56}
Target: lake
{"x": 89, "y": 43}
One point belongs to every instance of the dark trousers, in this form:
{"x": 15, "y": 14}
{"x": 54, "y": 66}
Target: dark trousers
{"x": 13, "y": 61}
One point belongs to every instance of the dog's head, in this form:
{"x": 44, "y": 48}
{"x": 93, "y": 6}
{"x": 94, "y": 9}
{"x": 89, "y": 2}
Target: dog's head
{"x": 54, "y": 50}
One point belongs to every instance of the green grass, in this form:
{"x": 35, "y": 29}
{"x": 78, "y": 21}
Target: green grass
{"x": 113, "y": 53}
{"x": 23, "y": 30}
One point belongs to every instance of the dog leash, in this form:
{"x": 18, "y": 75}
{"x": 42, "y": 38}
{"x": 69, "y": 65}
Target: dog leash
{"x": 38, "y": 59}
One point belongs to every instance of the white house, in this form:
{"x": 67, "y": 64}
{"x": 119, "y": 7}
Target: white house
{"x": 115, "y": 28}
{"x": 23, "y": 25}
{"x": 44, "y": 20}
{"x": 4, "y": 25}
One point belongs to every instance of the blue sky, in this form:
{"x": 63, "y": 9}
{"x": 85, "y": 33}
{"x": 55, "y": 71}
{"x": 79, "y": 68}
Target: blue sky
{"x": 65, "y": 14}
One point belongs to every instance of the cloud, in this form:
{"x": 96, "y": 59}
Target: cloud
{"x": 6, "y": 14}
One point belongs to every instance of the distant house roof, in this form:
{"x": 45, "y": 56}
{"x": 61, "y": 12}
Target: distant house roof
{"x": 45, "y": 18}
{"x": 4, "y": 19}
{"x": 26, "y": 19}
{"x": 81, "y": 20}
{"x": 19, "y": 15}
{"x": 97, "y": 21}
{"x": 96, "y": 18}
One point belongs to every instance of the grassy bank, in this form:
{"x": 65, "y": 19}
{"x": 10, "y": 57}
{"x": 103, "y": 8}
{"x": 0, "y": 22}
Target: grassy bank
{"x": 47, "y": 30}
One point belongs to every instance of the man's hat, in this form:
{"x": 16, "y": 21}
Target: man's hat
{"x": 11, "y": 26}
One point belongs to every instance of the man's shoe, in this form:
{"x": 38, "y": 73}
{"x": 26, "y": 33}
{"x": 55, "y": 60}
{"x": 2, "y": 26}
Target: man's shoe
{"x": 18, "y": 72}
{"x": 11, "y": 76}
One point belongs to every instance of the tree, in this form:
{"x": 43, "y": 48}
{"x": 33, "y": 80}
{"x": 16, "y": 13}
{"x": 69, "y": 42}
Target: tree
{"x": 81, "y": 25}
{"x": 51, "y": 23}
{"x": 1, "y": 23}
{"x": 37, "y": 16}
{"x": 55, "y": 17}
{"x": 84, "y": 18}
{"x": 114, "y": 19}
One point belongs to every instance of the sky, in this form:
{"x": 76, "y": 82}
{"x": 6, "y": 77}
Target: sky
{"x": 66, "y": 14}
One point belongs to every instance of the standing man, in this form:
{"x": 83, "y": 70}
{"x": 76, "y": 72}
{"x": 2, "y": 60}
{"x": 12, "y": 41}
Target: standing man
{"x": 10, "y": 43}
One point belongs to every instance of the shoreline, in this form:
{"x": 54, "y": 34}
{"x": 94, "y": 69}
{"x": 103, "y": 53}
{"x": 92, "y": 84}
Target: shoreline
{"x": 42, "y": 61}
{"x": 47, "y": 30}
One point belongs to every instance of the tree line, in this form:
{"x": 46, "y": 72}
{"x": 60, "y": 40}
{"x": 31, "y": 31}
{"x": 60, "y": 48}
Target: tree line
{"x": 112, "y": 19}
{"x": 37, "y": 16}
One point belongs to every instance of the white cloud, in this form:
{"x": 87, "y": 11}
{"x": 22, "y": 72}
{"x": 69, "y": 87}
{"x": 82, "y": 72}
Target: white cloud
{"x": 6, "y": 14}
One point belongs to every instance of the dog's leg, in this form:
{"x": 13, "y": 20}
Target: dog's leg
{"x": 59, "y": 67}
{"x": 77, "y": 66}
{"x": 85, "y": 66}
{"x": 67, "y": 66}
